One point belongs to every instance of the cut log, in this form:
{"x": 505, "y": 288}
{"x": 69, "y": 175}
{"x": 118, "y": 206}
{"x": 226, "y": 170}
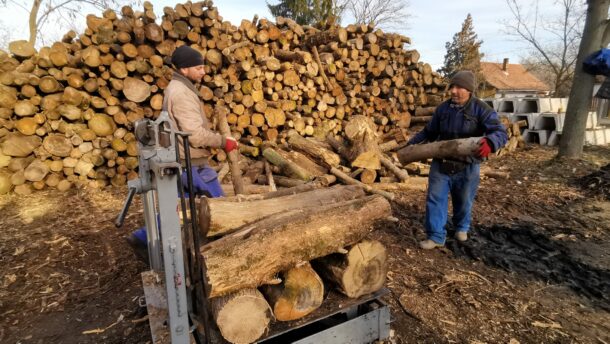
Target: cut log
{"x": 242, "y": 317}
{"x": 17, "y": 145}
{"x": 283, "y": 192}
{"x": 136, "y": 90}
{"x": 253, "y": 255}
{"x": 287, "y": 166}
{"x": 400, "y": 173}
{"x": 217, "y": 216}
{"x": 439, "y": 149}
{"x": 313, "y": 149}
{"x": 364, "y": 150}
{"x": 349, "y": 180}
{"x": 361, "y": 271}
{"x": 22, "y": 48}
{"x": 300, "y": 293}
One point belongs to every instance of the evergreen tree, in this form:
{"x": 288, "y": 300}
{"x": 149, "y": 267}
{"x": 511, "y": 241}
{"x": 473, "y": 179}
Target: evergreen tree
{"x": 463, "y": 52}
{"x": 307, "y": 12}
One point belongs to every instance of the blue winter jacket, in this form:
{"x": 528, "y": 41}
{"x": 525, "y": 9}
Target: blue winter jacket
{"x": 475, "y": 118}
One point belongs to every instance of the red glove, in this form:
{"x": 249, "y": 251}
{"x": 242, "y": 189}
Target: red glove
{"x": 230, "y": 144}
{"x": 484, "y": 148}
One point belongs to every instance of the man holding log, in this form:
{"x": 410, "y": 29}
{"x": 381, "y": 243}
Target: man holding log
{"x": 460, "y": 117}
{"x": 181, "y": 101}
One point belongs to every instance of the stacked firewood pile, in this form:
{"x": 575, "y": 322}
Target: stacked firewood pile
{"x": 274, "y": 256}
{"x": 515, "y": 140}
{"x": 66, "y": 111}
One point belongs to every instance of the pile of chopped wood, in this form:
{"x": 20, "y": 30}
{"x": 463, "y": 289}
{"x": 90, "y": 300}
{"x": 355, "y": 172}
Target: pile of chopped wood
{"x": 66, "y": 111}
{"x": 515, "y": 140}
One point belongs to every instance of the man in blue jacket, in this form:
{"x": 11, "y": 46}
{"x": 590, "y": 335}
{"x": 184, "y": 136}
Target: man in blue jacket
{"x": 460, "y": 117}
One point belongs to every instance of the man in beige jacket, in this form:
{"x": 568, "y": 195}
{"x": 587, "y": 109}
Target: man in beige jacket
{"x": 181, "y": 101}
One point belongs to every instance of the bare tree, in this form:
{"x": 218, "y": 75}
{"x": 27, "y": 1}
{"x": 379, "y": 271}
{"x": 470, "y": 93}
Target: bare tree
{"x": 388, "y": 13}
{"x": 595, "y": 37}
{"x": 58, "y": 12}
{"x": 553, "y": 41}
{"x": 5, "y": 36}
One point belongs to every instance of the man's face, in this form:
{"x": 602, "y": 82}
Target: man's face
{"x": 195, "y": 74}
{"x": 459, "y": 95}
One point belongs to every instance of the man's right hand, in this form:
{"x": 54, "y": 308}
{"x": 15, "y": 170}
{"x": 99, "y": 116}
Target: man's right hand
{"x": 230, "y": 144}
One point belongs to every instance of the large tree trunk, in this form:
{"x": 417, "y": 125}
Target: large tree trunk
{"x": 242, "y": 317}
{"x": 218, "y": 216}
{"x": 439, "y": 149}
{"x": 361, "y": 271}
{"x": 300, "y": 293}
{"x": 573, "y": 136}
{"x": 254, "y": 255}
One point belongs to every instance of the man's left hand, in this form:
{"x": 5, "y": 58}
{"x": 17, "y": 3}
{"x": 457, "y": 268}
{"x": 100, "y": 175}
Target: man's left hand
{"x": 484, "y": 148}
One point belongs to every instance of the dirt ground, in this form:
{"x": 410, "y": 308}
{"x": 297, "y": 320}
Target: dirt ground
{"x": 536, "y": 269}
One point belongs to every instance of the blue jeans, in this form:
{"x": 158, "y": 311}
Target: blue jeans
{"x": 205, "y": 182}
{"x": 463, "y": 188}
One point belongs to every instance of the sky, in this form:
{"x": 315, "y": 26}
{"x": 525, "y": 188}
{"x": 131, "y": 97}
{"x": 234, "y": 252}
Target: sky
{"x": 431, "y": 24}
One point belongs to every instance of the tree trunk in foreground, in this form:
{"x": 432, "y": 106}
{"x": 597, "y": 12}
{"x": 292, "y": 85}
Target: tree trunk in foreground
{"x": 300, "y": 293}
{"x": 439, "y": 149}
{"x": 253, "y": 255}
{"x": 361, "y": 271}
{"x": 573, "y": 136}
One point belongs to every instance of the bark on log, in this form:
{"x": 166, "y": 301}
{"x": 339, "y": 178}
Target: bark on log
{"x": 219, "y": 217}
{"x": 361, "y": 271}
{"x": 253, "y": 255}
{"x": 439, "y": 149}
{"x": 313, "y": 149}
{"x": 300, "y": 293}
{"x": 287, "y": 166}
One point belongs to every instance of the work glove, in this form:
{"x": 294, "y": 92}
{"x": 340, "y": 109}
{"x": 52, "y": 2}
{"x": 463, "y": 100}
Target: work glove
{"x": 230, "y": 144}
{"x": 484, "y": 148}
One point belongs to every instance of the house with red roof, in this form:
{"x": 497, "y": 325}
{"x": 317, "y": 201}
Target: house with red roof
{"x": 502, "y": 80}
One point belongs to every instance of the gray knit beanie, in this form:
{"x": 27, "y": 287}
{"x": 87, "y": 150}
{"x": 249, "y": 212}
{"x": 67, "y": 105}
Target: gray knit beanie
{"x": 185, "y": 57}
{"x": 464, "y": 79}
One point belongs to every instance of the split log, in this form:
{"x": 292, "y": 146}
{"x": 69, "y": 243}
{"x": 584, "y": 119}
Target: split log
{"x": 251, "y": 189}
{"x": 317, "y": 184}
{"x": 364, "y": 150}
{"x": 361, "y": 271}
{"x": 242, "y": 317}
{"x": 400, "y": 173}
{"x": 439, "y": 149}
{"x": 425, "y": 111}
{"x": 349, "y": 180}
{"x": 253, "y": 255}
{"x": 218, "y": 217}
{"x": 300, "y": 293}
{"x": 287, "y": 166}
{"x": 413, "y": 184}
{"x": 488, "y": 172}
{"x": 313, "y": 149}
{"x": 238, "y": 183}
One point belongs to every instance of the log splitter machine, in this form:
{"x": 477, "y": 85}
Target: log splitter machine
{"x": 175, "y": 285}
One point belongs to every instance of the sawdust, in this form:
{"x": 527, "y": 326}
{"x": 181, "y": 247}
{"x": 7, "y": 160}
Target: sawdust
{"x": 65, "y": 268}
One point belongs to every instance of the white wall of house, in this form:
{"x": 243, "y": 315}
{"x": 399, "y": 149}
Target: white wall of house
{"x": 519, "y": 94}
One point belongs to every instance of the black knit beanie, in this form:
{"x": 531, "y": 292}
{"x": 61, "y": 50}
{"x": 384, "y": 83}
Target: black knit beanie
{"x": 185, "y": 57}
{"x": 464, "y": 79}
